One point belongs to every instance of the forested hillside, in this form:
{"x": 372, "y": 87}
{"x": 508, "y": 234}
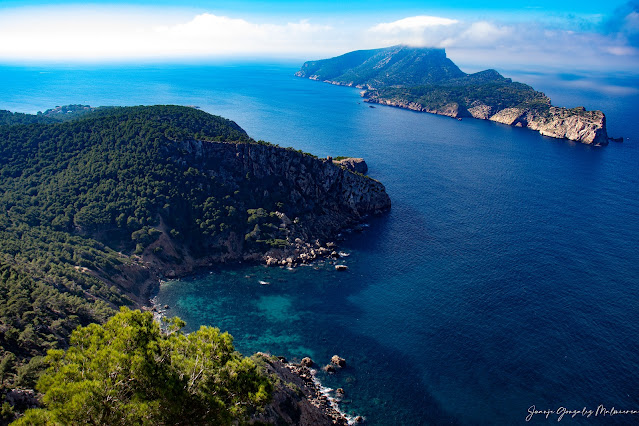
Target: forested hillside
{"x": 96, "y": 205}
{"x": 75, "y": 199}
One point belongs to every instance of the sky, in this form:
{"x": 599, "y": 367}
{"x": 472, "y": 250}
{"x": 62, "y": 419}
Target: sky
{"x": 530, "y": 34}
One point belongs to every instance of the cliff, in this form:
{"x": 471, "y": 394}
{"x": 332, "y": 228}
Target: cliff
{"x": 317, "y": 198}
{"x": 423, "y": 79}
{"x": 575, "y": 124}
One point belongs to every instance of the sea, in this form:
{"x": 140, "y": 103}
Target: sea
{"x": 501, "y": 288}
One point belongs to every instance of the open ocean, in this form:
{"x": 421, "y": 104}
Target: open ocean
{"x": 505, "y": 276}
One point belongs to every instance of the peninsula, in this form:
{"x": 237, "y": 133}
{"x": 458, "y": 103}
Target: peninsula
{"x": 98, "y": 204}
{"x": 424, "y": 79}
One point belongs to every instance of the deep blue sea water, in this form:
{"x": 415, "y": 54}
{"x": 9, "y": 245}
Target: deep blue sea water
{"x": 505, "y": 276}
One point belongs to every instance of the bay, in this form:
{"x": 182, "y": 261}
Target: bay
{"x": 505, "y": 275}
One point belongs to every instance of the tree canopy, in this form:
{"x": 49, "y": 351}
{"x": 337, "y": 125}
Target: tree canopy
{"x": 130, "y": 371}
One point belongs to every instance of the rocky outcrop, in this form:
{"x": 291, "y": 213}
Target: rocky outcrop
{"x": 298, "y": 398}
{"x": 357, "y": 165}
{"x": 575, "y": 124}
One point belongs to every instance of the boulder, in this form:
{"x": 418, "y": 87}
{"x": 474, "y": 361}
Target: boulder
{"x": 341, "y": 268}
{"x": 306, "y": 362}
{"x": 338, "y": 360}
{"x": 330, "y": 368}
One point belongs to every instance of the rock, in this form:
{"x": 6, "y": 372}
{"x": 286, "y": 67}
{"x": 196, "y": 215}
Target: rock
{"x": 341, "y": 268}
{"x": 306, "y": 362}
{"x": 357, "y": 165}
{"x": 337, "y": 360}
{"x": 329, "y": 368}
{"x": 296, "y": 398}
{"x": 22, "y": 398}
{"x": 167, "y": 307}
{"x": 282, "y": 359}
{"x": 359, "y": 419}
{"x": 339, "y": 391}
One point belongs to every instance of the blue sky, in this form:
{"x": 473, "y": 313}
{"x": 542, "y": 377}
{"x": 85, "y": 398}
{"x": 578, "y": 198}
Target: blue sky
{"x": 563, "y": 35}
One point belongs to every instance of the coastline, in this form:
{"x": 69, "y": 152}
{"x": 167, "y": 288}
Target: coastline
{"x": 299, "y": 397}
{"x": 576, "y": 124}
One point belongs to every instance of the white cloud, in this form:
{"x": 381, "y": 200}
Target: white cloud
{"x": 414, "y": 23}
{"x": 106, "y": 34}
{"x": 483, "y": 33}
{"x": 483, "y": 44}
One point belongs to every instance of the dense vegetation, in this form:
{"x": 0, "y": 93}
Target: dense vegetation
{"x": 499, "y": 94}
{"x": 129, "y": 371}
{"x": 423, "y": 76}
{"x": 397, "y": 65}
{"x": 81, "y": 195}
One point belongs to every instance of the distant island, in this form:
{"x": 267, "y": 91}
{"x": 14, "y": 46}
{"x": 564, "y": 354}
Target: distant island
{"x": 424, "y": 79}
{"x": 98, "y": 204}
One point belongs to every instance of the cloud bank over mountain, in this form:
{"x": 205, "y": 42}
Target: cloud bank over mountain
{"x": 123, "y": 33}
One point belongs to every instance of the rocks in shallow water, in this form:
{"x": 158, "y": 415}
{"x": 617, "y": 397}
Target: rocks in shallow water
{"x": 359, "y": 419}
{"x": 330, "y": 368}
{"x": 306, "y": 362}
{"x": 339, "y": 391}
{"x": 338, "y": 360}
{"x": 341, "y": 267}
{"x": 297, "y": 398}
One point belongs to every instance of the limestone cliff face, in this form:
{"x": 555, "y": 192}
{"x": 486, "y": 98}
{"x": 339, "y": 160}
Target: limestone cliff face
{"x": 575, "y": 124}
{"x": 316, "y": 184}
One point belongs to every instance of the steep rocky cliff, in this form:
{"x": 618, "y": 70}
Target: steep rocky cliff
{"x": 317, "y": 197}
{"x": 575, "y": 124}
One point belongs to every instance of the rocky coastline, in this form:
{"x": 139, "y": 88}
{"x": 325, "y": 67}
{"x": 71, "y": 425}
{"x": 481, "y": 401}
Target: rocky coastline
{"x": 330, "y": 199}
{"x": 576, "y": 124}
{"x": 299, "y": 397}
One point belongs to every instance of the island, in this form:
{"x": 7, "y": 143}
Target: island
{"x": 97, "y": 205}
{"x": 424, "y": 79}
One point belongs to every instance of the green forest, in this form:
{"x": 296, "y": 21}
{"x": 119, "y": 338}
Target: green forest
{"x": 130, "y": 371}
{"x": 83, "y": 193}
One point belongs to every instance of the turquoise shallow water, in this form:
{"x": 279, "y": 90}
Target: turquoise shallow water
{"x": 505, "y": 275}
